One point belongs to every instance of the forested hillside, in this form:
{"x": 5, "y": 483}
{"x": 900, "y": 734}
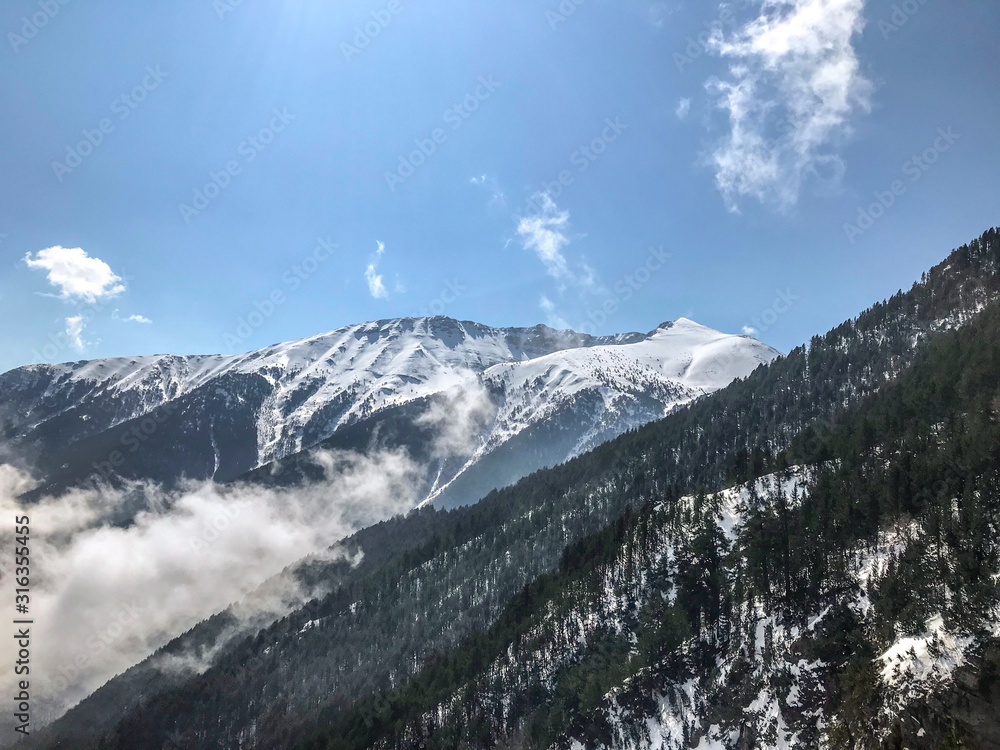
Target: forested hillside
{"x": 458, "y": 576}
{"x": 833, "y": 602}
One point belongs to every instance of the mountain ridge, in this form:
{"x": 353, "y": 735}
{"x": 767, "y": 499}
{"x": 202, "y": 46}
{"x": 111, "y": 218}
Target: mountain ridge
{"x": 485, "y": 555}
{"x": 269, "y": 404}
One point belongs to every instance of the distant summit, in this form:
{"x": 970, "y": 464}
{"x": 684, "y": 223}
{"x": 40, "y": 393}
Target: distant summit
{"x": 538, "y": 392}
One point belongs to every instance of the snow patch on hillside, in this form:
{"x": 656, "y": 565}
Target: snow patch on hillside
{"x": 631, "y": 384}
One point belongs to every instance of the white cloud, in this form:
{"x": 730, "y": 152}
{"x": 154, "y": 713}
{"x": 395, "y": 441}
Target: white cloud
{"x": 75, "y": 274}
{"x": 74, "y": 332}
{"x": 749, "y": 330}
{"x": 543, "y": 234}
{"x": 497, "y": 196}
{"x": 458, "y": 418}
{"x": 794, "y": 84}
{"x": 683, "y": 109}
{"x": 552, "y": 315}
{"x": 375, "y": 284}
{"x": 187, "y": 556}
{"x": 131, "y": 318}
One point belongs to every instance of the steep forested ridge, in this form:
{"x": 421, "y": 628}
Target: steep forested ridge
{"x": 374, "y": 632}
{"x": 831, "y": 604}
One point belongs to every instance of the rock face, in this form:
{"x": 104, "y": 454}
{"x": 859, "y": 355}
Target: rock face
{"x": 480, "y": 406}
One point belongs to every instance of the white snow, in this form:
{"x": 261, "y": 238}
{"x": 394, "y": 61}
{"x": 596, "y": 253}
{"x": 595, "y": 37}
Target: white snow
{"x": 317, "y": 385}
{"x": 921, "y": 664}
{"x": 633, "y": 383}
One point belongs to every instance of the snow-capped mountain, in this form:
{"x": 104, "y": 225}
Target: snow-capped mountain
{"x": 675, "y": 363}
{"x": 807, "y": 558}
{"x": 567, "y": 402}
{"x": 168, "y": 417}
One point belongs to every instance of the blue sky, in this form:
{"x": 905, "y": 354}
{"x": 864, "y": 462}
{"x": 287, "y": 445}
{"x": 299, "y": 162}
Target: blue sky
{"x": 224, "y": 175}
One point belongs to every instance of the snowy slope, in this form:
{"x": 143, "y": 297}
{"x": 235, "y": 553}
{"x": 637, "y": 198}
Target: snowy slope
{"x": 676, "y": 363}
{"x": 230, "y": 414}
{"x": 379, "y": 364}
{"x": 600, "y": 392}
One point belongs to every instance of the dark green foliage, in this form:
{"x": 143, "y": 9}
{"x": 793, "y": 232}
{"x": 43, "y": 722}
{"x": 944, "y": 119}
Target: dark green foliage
{"x": 483, "y": 576}
{"x": 924, "y": 449}
{"x": 701, "y": 576}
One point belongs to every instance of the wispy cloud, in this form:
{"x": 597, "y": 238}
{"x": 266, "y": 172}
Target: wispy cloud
{"x": 131, "y": 318}
{"x": 375, "y": 284}
{"x": 76, "y": 275}
{"x": 187, "y": 542}
{"x": 794, "y": 84}
{"x": 683, "y": 109}
{"x": 497, "y": 196}
{"x": 74, "y": 332}
{"x": 552, "y": 316}
{"x": 458, "y": 418}
{"x": 544, "y": 234}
